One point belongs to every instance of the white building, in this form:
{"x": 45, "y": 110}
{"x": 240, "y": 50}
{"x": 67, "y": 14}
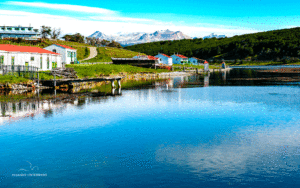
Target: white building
{"x": 164, "y": 59}
{"x": 18, "y": 32}
{"x": 69, "y": 55}
{"x": 29, "y": 56}
{"x": 179, "y": 59}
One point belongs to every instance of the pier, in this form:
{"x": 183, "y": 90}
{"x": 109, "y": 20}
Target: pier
{"x": 54, "y": 82}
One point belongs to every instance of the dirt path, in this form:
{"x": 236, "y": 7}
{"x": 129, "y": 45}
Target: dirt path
{"x": 93, "y": 53}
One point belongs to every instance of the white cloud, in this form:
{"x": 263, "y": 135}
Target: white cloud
{"x": 67, "y": 7}
{"x": 104, "y": 20}
{"x": 117, "y": 18}
{"x": 236, "y": 153}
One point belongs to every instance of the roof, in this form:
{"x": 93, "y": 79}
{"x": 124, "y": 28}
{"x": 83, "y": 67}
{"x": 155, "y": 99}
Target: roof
{"x": 166, "y": 55}
{"x": 181, "y": 56}
{"x": 29, "y": 49}
{"x": 195, "y": 58}
{"x": 205, "y": 62}
{"x": 65, "y": 46}
{"x": 152, "y": 58}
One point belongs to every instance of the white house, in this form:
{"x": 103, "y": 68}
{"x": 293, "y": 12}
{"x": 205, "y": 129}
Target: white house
{"x": 164, "y": 59}
{"x": 29, "y": 56}
{"x": 179, "y": 59}
{"x": 69, "y": 55}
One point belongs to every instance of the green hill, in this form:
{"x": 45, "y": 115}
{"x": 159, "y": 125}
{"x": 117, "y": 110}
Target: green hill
{"x": 106, "y": 53}
{"x": 271, "y": 45}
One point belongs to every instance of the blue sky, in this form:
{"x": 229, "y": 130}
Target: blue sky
{"x": 193, "y": 17}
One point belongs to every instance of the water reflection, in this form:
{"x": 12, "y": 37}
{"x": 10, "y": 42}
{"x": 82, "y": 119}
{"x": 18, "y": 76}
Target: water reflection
{"x": 253, "y": 153}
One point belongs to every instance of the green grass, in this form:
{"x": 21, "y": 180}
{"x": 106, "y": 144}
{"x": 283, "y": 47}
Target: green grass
{"x": 82, "y": 52}
{"x": 45, "y": 75}
{"x": 98, "y": 70}
{"x": 11, "y": 79}
{"x": 106, "y": 53}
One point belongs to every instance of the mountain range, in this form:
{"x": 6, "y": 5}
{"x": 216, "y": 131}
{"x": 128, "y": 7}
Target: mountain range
{"x": 213, "y": 35}
{"x": 129, "y": 39}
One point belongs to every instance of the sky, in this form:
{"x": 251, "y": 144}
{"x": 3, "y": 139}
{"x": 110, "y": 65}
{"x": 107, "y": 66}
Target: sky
{"x": 196, "y": 18}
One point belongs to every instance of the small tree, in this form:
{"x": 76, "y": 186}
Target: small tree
{"x": 55, "y": 33}
{"x": 45, "y": 31}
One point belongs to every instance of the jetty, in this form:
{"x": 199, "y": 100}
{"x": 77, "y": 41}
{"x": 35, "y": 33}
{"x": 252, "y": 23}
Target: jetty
{"x": 54, "y": 82}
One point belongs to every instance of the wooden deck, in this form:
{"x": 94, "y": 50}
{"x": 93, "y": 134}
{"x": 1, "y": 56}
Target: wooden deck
{"x": 53, "y": 82}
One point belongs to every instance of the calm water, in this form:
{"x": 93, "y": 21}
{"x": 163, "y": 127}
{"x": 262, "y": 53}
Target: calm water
{"x": 229, "y": 134}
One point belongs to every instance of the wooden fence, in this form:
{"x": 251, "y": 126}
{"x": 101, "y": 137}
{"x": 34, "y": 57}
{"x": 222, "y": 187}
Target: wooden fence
{"x": 20, "y": 70}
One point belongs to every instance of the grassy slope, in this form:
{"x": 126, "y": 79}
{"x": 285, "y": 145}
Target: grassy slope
{"x": 105, "y": 54}
{"x": 12, "y": 79}
{"x": 97, "y": 70}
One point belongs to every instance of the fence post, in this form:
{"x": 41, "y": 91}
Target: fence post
{"x": 38, "y": 78}
{"x": 54, "y": 81}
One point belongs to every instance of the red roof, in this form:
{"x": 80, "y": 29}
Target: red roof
{"x": 182, "y": 56}
{"x": 65, "y": 46}
{"x": 166, "y": 55}
{"x": 205, "y": 62}
{"x": 28, "y": 49}
{"x": 152, "y": 58}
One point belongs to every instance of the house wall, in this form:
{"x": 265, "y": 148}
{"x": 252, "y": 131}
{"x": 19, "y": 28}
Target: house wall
{"x": 178, "y": 60}
{"x": 22, "y": 57}
{"x": 193, "y": 61}
{"x": 164, "y": 60}
{"x": 64, "y": 52}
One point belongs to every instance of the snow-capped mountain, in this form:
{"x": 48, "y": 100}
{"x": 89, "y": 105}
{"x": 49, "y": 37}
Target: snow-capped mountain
{"x": 127, "y": 39}
{"x": 213, "y": 35}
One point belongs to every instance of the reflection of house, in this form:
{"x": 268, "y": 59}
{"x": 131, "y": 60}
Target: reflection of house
{"x": 18, "y": 32}
{"x": 68, "y": 54}
{"x": 179, "y": 59}
{"x": 164, "y": 59}
{"x": 11, "y": 111}
{"x": 29, "y": 56}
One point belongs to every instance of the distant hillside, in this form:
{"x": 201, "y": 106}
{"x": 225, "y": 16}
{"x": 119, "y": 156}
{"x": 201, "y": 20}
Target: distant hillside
{"x": 106, "y": 53}
{"x": 271, "y": 45}
{"x": 141, "y": 37}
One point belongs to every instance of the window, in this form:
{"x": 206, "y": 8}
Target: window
{"x": 69, "y": 54}
{"x": 2, "y": 28}
{"x": 12, "y": 60}
{"x": 29, "y": 29}
{"x": 23, "y": 29}
{"x": 41, "y": 62}
{"x": 48, "y": 62}
{"x": 1, "y": 60}
{"x": 54, "y": 50}
{"x": 32, "y": 58}
{"x": 9, "y": 28}
{"x": 17, "y": 29}
{"x": 54, "y": 65}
